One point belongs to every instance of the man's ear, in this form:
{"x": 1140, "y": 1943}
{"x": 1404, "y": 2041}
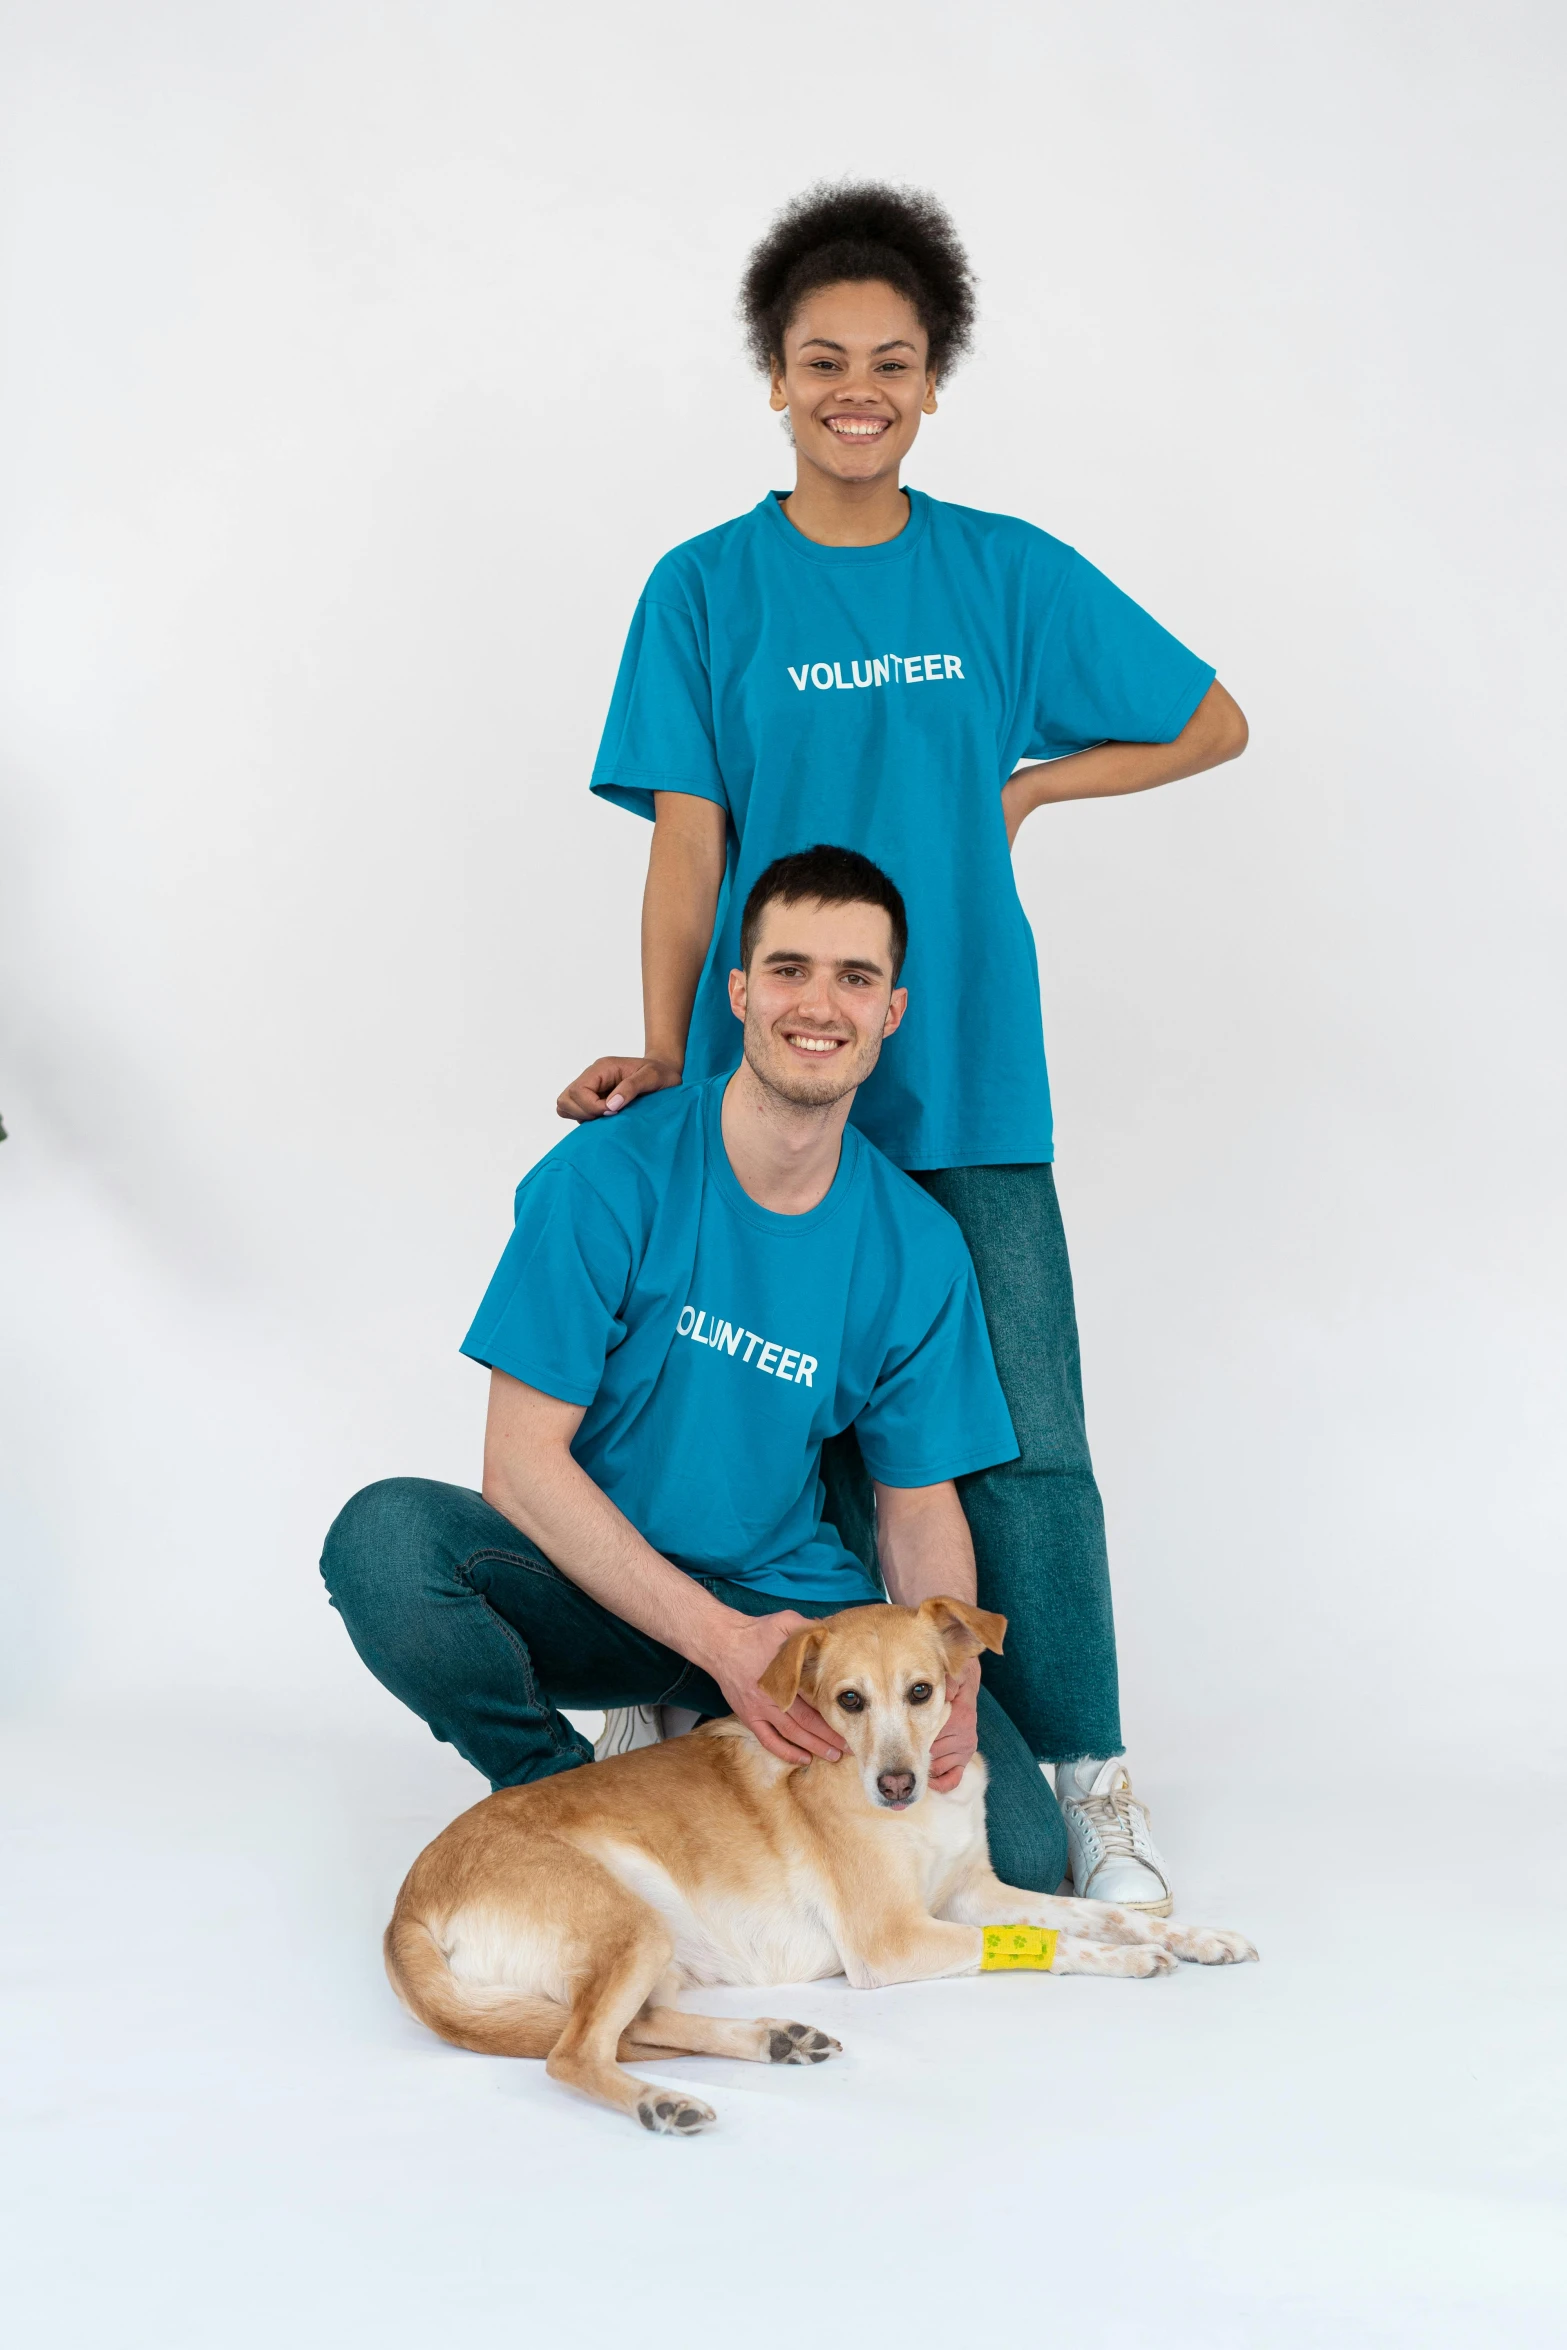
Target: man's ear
{"x": 794, "y": 1663}
{"x": 964, "y": 1630}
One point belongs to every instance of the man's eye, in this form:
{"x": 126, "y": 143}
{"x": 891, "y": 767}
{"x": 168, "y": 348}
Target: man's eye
{"x": 921, "y": 1693}
{"x": 851, "y": 1702}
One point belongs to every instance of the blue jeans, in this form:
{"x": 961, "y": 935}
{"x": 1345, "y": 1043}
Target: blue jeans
{"x": 460, "y": 1616}
{"x": 1037, "y": 1522}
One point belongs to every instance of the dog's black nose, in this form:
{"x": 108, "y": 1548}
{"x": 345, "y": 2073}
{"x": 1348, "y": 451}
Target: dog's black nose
{"x": 896, "y": 1786}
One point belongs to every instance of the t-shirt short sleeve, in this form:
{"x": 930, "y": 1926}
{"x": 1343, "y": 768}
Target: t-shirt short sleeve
{"x": 1108, "y": 672}
{"x": 937, "y": 1410}
{"x": 659, "y": 732}
{"x": 552, "y": 1313}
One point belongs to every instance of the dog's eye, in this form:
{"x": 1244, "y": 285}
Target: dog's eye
{"x": 851, "y": 1701}
{"x": 921, "y": 1693}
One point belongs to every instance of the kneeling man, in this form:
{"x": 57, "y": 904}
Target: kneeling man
{"x": 698, "y": 1293}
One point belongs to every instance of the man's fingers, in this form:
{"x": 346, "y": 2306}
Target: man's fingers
{"x": 808, "y": 1724}
{"x": 777, "y": 1745}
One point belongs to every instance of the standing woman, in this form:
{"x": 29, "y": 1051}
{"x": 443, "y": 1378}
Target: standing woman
{"x": 858, "y": 663}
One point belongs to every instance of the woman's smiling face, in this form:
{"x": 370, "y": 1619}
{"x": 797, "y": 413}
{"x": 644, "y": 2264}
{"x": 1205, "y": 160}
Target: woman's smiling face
{"x": 855, "y": 379}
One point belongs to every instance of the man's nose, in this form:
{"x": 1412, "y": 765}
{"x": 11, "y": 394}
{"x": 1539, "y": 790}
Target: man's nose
{"x": 896, "y": 1786}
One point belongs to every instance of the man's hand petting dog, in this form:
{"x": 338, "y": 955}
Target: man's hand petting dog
{"x": 957, "y": 1741}
{"x": 742, "y": 1652}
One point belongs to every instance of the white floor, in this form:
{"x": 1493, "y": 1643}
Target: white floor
{"x": 222, "y": 2132}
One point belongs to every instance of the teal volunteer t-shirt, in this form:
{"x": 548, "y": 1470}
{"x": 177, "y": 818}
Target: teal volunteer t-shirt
{"x": 716, "y": 1345}
{"x": 879, "y": 697}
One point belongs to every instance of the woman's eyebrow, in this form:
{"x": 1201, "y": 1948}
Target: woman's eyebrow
{"x": 826, "y": 343}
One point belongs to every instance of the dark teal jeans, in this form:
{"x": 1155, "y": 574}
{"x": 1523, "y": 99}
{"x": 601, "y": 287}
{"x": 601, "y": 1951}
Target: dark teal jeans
{"x": 461, "y": 1617}
{"x": 1037, "y": 1522}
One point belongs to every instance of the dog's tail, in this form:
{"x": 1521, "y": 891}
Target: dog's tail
{"x": 491, "y": 2019}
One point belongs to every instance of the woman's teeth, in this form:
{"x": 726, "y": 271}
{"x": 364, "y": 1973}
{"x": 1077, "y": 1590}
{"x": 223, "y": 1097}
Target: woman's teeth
{"x": 857, "y": 428}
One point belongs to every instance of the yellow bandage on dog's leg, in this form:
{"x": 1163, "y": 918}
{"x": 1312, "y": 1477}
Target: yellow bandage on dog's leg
{"x": 1008, "y": 1947}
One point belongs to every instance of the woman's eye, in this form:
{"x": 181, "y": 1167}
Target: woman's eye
{"x": 921, "y": 1693}
{"x": 851, "y": 1701}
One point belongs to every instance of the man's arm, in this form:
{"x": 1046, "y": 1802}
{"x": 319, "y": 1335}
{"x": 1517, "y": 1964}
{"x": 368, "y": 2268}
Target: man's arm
{"x": 531, "y": 1477}
{"x": 926, "y": 1552}
{"x": 685, "y": 871}
{"x": 1215, "y": 731}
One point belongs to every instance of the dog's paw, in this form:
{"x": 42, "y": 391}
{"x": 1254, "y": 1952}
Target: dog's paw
{"x": 1076, "y": 1957}
{"x": 1210, "y": 1945}
{"x": 797, "y": 2043}
{"x": 672, "y": 2114}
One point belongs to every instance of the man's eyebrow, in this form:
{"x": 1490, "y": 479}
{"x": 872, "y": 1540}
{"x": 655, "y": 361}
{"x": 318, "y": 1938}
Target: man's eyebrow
{"x": 839, "y": 962}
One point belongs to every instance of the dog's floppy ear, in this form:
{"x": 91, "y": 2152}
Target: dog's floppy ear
{"x": 793, "y": 1664}
{"x": 964, "y": 1630}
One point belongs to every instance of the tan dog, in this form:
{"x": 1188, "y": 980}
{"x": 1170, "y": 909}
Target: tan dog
{"x": 563, "y": 1919}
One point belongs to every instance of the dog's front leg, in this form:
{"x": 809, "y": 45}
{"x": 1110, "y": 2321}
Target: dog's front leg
{"x": 981, "y": 1899}
{"x": 909, "y": 1948}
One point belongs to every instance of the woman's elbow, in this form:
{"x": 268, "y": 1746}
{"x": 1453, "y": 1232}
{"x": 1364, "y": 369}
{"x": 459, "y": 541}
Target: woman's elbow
{"x": 1231, "y": 732}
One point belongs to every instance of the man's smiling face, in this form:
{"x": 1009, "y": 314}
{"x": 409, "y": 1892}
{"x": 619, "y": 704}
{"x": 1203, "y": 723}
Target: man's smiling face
{"x": 817, "y": 999}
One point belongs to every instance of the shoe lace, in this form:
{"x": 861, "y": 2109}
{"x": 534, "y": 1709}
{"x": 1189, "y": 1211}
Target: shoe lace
{"x": 1111, "y": 1817}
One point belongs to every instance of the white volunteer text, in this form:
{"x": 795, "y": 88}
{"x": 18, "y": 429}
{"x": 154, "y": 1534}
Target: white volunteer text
{"x": 781, "y": 1362}
{"x": 884, "y": 669}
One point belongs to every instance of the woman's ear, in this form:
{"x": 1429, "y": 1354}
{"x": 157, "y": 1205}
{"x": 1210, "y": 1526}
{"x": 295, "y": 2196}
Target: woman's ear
{"x": 777, "y": 397}
{"x": 964, "y": 1630}
{"x": 794, "y": 1663}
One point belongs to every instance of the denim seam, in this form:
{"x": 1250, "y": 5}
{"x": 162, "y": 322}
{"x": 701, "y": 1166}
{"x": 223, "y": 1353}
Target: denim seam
{"x": 550, "y": 1714}
{"x": 542, "y": 1566}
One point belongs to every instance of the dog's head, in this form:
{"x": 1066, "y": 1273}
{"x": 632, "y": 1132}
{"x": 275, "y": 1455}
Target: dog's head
{"x": 878, "y": 1678}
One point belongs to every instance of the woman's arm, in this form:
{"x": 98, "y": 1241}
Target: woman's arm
{"x": 1215, "y": 731}
{"x": 685, "y": 870}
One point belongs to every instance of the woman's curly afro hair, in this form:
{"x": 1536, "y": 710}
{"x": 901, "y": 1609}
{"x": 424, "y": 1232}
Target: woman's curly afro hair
{"x": 851, "y": 232}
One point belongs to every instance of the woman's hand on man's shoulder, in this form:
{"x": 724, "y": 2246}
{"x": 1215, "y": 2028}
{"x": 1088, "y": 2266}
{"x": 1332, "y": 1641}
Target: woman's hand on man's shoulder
{"x": 607, "y": 1085}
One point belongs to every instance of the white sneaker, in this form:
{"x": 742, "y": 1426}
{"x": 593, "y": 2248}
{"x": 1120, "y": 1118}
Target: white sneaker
{"x": 1114, "y": 1856}
{"x": 626, "y": 1729}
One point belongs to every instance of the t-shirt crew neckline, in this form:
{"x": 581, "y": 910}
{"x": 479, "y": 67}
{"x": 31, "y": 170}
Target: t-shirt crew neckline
{"x": 813, "y": 550}
{"x": 750, "y": 1210}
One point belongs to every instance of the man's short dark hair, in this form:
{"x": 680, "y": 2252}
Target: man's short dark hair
{"x": 856, "y": 232}
{"x": 825, "y": 876}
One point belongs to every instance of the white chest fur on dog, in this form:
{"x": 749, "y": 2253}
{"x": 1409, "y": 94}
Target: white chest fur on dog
{"x": 565, "y": 1919}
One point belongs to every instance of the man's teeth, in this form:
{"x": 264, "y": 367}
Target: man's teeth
{"x": 817, "y": 1044}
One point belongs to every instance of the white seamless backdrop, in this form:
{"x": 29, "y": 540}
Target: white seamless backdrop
{"x": 362, "y": 361}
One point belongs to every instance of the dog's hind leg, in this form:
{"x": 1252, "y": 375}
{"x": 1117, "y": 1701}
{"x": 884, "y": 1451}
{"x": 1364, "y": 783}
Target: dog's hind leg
{"x": 623, "y": 1962}
{"x": 769, "y": 2040}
